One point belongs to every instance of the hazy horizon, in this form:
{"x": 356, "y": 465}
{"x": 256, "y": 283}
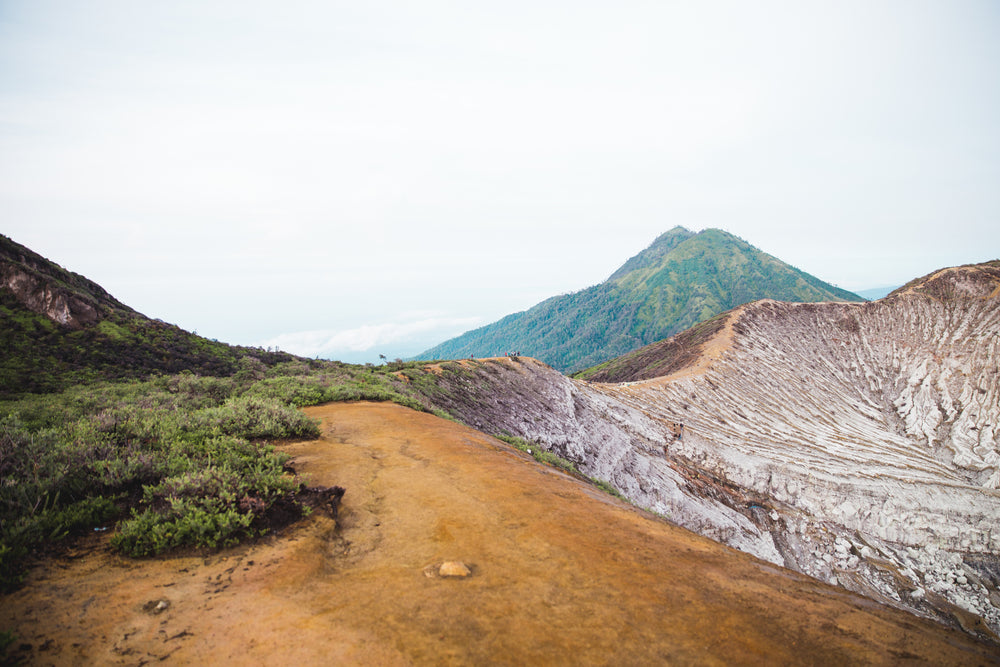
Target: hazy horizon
{"x": 348, "y": 180}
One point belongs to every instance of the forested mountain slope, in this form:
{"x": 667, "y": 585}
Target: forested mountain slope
{"x": 681, "y": 279}
{"x": 58, "y": 328}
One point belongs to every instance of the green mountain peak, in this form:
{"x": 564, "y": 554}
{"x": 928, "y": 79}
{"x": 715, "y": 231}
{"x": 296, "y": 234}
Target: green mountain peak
{"x": 654, "y": 254}
{"x": 681, "y": 279}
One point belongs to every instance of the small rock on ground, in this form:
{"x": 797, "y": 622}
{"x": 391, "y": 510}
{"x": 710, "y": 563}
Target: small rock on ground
{"x": 454, "y": 568}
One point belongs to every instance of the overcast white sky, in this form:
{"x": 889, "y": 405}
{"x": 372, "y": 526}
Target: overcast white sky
{"x": 348, "y": 179}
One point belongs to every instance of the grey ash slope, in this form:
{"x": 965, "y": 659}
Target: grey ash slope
{"x": 681, "y": 279}
{"x": 857, "y": 443}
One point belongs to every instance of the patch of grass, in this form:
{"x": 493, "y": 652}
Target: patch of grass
{"x": 556, "y": 461}
{"x": 111, "y": 330}
{"x": 607, "y": 488}
{"x": 537, "y": 452}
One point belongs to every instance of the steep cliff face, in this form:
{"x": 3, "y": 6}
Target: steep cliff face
{"x": 49, "y": 290}
{"x": 857, "y": 443}
{"x": 59, "y": 305}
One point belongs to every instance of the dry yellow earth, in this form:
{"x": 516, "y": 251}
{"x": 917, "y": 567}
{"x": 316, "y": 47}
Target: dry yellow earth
{"x": 560, "y": 573}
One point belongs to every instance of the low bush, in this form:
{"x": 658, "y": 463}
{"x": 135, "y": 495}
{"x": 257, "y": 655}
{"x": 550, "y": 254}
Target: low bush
{"x": 93, "y": 453}
{"x": 177, "y": 460}
{"x": 256, "y": 418}
{"x": 202, "y": 522}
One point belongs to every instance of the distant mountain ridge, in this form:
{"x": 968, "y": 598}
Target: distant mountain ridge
{"x": 876, "y": 293}
{"x": 58, "y": 328}
{"x": 681, "y": 279}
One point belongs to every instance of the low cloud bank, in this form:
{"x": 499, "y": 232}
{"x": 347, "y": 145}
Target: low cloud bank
{"x": 365, "y": 343}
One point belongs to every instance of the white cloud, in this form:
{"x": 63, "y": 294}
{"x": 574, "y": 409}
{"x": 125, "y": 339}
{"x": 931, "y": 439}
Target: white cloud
{"x": 370, "y": 340}
{"x": 245, "y": 169}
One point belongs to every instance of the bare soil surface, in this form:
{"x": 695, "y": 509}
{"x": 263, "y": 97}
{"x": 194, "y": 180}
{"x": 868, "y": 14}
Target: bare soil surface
{"x": 559, "y": 573}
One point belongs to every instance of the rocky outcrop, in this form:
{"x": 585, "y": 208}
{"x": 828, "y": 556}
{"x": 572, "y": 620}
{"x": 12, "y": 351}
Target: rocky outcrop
{"x": 39, "y": 296}
{"x": 49, "y": 290}
{"x": 857, "y": 443}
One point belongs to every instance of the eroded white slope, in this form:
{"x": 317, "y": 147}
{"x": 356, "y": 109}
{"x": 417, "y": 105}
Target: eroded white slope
{"x": 862, "y": 405}
{"x": 857, "y": 443}
{"x": 871, "y": 428}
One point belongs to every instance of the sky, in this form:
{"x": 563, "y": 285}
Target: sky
{"x": 351, "y": 179}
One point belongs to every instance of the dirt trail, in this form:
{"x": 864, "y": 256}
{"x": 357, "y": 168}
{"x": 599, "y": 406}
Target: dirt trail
{"x": 561, "y": 574}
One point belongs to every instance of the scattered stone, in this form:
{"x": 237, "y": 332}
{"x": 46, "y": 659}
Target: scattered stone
{"x": 156, "y": 606}
{"x": 454, "y": 568}
{"x": 918, "y": 595}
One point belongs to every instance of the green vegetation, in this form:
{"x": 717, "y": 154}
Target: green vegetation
{"x": 538, "y": 453}
{"x": 111, "y": 419}
{"x": 682, "y": 279}
{"x": 100, "y": 338}
{"x": 184, "y": 452}
{"x": 172, "y": 461}
{"x": 549, "y": 458}
{"x": 657, "y": 359}
{"x": 41, "y": 356}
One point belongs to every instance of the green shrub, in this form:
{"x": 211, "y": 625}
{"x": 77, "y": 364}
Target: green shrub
{"x": 205, "y": 506}
{"x": 204, "y": 524}
{"x": 183, "y": 457}
{"x": 297, "y": 391}
{"x": 66, "y": 459}
{"x": 256, "y": 418}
